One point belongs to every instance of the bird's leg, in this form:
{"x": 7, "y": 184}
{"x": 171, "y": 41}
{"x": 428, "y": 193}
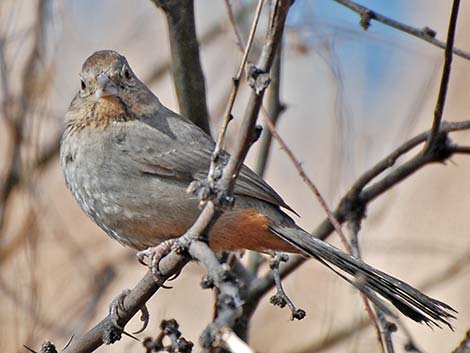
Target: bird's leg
{"x": 154, "y": 255}
{"x": 118, "y": 305}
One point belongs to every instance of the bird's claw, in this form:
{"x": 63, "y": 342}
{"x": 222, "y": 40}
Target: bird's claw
{"x": 118, "y": 305}
{"x": 144, "y": 317}
{"x": 154, "y": 255}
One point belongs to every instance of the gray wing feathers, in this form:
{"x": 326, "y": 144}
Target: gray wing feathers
{"x": 166, "y": 155}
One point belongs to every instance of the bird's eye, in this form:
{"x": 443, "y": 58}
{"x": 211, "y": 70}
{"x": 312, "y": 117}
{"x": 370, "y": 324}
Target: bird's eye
{"x": 82, "y": 84}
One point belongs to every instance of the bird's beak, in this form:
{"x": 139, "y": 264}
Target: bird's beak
{"x": 105, "y": 87}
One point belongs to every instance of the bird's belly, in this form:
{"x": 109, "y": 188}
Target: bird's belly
{"x": 136, "y": 214}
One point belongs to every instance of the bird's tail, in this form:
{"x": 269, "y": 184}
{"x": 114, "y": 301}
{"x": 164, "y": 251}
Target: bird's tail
{"x": 410, "y": 301}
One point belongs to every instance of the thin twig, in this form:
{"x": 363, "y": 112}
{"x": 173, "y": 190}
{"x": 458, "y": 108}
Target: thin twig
{"x": 441, "y": 99}
{"x": 271, "y": 127}
{"x": 354, "y": 226}
{"x": 306, "y": 179}
{"x": 390, "y": 160}
{"x": 425, "y": 33}
{"x": 236, "y": 83}
{"x": 387, "y": 329}
{"x": 230, "y": 171}
{"x": 270, "y": 123}
{"x": 232, "y": 22}
{"x": 280, "y": 298}
{"x": 247, "y": 129}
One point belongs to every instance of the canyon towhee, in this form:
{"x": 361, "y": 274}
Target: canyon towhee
{"x": 128, "y": 161}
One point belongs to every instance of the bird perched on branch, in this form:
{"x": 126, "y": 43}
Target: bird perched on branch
{"x": 128, "y": 161}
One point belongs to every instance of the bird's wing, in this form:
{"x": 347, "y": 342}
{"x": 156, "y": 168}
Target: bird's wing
{"x": 177, "y": 148}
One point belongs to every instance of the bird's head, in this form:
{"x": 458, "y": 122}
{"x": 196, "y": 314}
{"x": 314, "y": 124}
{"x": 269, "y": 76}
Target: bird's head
{"x": 109, "y": 91}
{"x": 106, "y": 74}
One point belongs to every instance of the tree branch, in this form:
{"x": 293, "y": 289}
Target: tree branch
{"x": 247, "y": 129}
{"x": 234, "y": 91}
{"x": 186, "y": 64}
{"x": 441, "y": 99}
{"x": 138, "y": 296}
{"x": 206, "y": 38}
{"x": 425, "y": 33}
{"x": 247, "y": 135}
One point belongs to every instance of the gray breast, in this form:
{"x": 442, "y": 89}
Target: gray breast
{"x": 83, "y": 165}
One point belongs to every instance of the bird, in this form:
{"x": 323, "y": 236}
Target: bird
{"x": 128, "y": 161}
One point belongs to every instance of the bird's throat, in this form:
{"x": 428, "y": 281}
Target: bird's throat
{"x": 99, "y": 114}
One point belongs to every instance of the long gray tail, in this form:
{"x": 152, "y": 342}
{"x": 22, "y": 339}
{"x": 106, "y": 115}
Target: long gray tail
{"x": 410, "y": 301}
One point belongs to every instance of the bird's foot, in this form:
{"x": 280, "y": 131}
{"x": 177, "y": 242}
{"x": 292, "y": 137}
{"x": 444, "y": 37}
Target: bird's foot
{"x": 117, "y": 305}
{"x": 154, "y": 255}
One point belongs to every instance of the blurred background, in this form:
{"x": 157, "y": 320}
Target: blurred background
{"x": 352, "y": 96}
